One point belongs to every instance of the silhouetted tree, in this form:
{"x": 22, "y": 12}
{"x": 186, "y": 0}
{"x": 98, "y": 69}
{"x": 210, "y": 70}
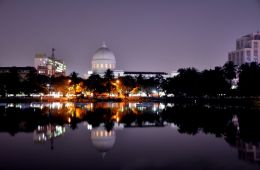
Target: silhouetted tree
{"x": 13, "y": 82}
{"x": 95, "y": 84}
{"x": 249, "y": 79}
{"x": 31, "y": 83}
{"x": 127, "y": 83}
{"x": 214, "y": 82}
{"x": 108, "y": 79}
{"x": 188, "y": 82}
{"x": 230, "y": 71}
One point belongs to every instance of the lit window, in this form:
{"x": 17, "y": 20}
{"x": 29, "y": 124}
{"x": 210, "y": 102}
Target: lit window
{"x": 97, "y": 65}
{"x": 106, "y": 66}
{"x": 101, "y": 65}
{"x": 110, "y": 65}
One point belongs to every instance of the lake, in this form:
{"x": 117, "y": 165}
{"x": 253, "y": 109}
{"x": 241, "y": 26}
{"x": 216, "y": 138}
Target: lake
{"x": 128, "y": 136}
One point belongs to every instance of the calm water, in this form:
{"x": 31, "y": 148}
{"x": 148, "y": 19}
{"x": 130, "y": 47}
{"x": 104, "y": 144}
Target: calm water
{"x": 128, "y": 136}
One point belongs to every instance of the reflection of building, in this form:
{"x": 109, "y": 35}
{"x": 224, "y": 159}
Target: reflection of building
{"x": 247, "y": 49}
{"x": 103, "y": 140}
{"x": 49, "y": 66}
{"x": 47, "y": 132}
{"x": 248, "y": 151}
{"x": 104, "y": 59}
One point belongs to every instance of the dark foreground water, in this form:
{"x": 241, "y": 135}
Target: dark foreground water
{"x": 128, "y": 136}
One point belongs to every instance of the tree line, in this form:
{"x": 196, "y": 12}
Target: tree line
{"x": 228, "y": 80}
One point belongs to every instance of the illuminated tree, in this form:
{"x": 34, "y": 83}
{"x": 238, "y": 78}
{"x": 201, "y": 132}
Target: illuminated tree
{"x": 127, "y": 84}
{"x": 95, "y": 84}
{"x": 108, "y": 81}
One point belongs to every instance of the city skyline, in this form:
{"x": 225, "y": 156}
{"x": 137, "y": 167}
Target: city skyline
{"x": 144, "y": 35}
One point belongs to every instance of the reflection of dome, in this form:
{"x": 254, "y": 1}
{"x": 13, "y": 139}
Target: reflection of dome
{"x": 103, "y": 59}
{"x": 103, "y": 140}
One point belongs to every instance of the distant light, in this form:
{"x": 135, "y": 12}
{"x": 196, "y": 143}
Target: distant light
{"x": 154, "y": 91}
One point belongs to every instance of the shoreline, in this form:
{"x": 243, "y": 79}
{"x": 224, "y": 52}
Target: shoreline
{"x": 178, "y": 100}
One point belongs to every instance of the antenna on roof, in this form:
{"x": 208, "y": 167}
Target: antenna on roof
{"x": 52, "y": 53}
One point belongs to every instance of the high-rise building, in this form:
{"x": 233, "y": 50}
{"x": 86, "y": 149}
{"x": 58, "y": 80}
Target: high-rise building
{"x": 49, "y": 66}
{"x": 247, "y": 49}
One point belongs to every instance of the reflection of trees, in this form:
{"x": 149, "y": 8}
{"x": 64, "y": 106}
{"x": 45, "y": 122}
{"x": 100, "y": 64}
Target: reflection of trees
{"x": 14, "y": 120}
{"x": 189, "y": 119}
{"x": 192, "y": 119}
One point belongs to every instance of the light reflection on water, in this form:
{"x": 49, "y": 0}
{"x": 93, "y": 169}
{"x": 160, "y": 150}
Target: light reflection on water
{"x": 114, "y": 129}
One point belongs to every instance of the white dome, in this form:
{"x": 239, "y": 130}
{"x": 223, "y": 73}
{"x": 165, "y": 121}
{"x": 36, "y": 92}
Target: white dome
{"x": 103, "y": 59}
{"x": 103, "y": 140}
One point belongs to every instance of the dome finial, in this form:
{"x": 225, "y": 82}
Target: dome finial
{"x": 104, "y": 44}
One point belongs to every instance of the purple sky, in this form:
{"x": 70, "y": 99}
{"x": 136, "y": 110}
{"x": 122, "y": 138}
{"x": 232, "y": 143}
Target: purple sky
{"x": 145, "y": 35}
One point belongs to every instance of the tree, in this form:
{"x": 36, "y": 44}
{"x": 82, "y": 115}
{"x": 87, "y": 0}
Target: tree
{"x": 230, "y": 71}
{"x": 4, "y": 78}
{"x": 75, "y": 81}
{"x": 127, "y": 83}
{"x": 188, "y": 82}
{"x": 13, "y": 84}
{"x": 95, "y": 84}
{"x": 108, "y": 79}
{"x": 249, "y": 79}
{"x": 31, "y": 83}
{"x": 214, "y": 82}
{"x": 61, "y": 84}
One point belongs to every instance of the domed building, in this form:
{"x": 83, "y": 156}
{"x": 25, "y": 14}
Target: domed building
{"x": 103, "y": 59}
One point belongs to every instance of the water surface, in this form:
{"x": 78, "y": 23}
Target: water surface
{"x": 128, "y": 136}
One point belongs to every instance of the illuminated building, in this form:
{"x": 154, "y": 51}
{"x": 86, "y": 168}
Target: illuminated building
{"x": 104, "y": 59}
{"x": 49, "y": 66}
{"x": 247, "y": 49}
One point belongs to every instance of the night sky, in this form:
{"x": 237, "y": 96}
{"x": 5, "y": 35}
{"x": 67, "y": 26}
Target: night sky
{"x": 145, "y": 35}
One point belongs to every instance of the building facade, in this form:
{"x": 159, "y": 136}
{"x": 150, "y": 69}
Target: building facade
{"x": 247, "y": 49}
{"x": 49, "y": 66}
{"x": 22, "y": 72}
